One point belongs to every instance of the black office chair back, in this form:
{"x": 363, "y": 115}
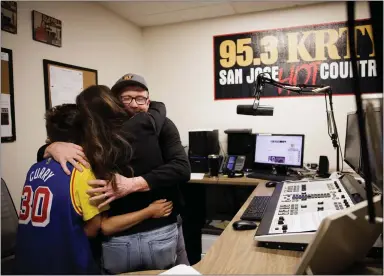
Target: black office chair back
{"x": 9, "y": 222}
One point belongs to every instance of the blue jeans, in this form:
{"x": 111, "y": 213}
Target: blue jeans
{"x": 151, "y": 250}
{"x": 182, "y": 257}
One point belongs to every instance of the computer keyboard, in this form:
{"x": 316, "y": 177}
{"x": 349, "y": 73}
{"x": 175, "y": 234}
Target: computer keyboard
{"x": 256, "y": 208}
{"x": 273, "y": 177}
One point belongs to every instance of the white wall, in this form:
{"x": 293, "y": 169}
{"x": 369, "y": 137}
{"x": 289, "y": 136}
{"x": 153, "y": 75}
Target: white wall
{"x": 179, "y": 69}
{"x": 92, "y": 37}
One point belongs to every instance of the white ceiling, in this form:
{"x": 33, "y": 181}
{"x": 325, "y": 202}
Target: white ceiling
{"x": 155, "y": 13}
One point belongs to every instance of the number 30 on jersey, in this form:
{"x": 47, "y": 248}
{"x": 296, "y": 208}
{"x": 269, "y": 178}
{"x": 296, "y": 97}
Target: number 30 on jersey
{"x": 36, "y": 206}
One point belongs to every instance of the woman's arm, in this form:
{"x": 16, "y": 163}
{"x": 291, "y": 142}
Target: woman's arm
{"x": 115, "y": 224}
{"x": 146, "y": 123}
{"x": 158, "y": 112}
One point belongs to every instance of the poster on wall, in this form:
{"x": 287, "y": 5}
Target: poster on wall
{"x": 9, "y": 16}
{"x": 313, "y": 55}
{"x": 7, "y": 107}
{"x": 46, "y": 29}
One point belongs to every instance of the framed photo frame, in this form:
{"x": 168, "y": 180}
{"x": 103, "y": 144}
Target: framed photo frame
{"x": 46, "y": 29}
{"x": 9, "y": 16}
{"x": 7, "y": 105}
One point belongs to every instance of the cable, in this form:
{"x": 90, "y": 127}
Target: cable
{"x": 221, "y": 149}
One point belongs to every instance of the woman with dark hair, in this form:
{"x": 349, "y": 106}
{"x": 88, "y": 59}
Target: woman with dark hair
{"x": 105, "y": 141}
{"x": 115, "y": 143}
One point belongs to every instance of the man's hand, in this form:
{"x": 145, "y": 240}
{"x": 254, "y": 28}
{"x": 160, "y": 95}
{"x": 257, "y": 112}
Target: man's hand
{"x": 103, "y": 193}
{"x": 67, "y": 152}
{"x": 160, "y": 208}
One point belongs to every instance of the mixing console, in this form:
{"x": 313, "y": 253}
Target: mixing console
{"x": 302, "y": 205}
{"x": 296, "y": 209}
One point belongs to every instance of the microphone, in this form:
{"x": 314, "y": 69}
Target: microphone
{"x": 259, "y": 111}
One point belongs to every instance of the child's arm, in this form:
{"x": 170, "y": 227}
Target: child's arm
{"x": 158, "y": 209}
{"x": 92, "y": 226}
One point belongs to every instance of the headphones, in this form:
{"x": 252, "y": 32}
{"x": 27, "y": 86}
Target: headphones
{"x": 233, "y": 174}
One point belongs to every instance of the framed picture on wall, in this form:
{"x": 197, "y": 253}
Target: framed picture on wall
{"x": 7, "y": 106}
{"x": 46, "y": 29}
{"x": 9, "y": 16}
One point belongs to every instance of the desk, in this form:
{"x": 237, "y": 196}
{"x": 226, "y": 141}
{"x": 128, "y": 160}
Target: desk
{"x": 224, "y": 180}
{"x": 235, "y": 252}
{"x": 208, "y": 200}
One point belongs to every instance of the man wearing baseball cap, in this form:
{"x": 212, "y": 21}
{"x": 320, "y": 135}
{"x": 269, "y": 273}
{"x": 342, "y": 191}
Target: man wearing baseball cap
{"x": 132, "y": 90}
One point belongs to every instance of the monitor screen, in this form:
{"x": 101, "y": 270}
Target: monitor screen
{"x": 352, "y": 153}
{"x": 278, "y": 149}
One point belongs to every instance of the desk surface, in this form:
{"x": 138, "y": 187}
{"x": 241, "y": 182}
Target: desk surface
{"x": 235, "y": 252}
{"x": 224, "y": 180}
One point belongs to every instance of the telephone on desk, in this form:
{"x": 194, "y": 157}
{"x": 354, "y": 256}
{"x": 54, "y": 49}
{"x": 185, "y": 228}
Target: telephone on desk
{"x": 233, "y": 166}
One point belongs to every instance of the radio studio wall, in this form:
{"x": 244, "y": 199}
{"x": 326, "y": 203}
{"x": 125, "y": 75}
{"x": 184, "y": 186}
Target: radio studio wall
{"x": 187, "y": 85}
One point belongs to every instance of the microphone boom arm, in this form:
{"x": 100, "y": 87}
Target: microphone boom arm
{"x": 261, "y": 80}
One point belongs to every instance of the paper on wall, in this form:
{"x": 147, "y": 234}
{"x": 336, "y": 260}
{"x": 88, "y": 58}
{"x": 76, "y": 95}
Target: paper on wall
{"x": 6, "y": 118}
{"x": 65, "y": 84}
{"x": 4, "y": 56}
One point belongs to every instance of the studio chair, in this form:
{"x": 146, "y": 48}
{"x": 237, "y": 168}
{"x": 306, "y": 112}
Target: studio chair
{"x": 9, "y": 225}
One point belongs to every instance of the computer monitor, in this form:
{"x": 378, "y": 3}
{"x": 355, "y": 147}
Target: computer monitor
{"x": 279, "y": 149}
{"x": 352, "y": 150}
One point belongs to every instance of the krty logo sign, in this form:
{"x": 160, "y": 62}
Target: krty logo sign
{"x": 317, "y": 54}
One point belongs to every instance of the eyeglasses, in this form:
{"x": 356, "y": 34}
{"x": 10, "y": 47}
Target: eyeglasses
{"x": 139, "y": 100}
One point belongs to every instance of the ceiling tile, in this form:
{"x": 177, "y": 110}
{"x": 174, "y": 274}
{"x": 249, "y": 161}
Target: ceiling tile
{"x": 153, "y": 13}
{"x": 136, "y": 8}
{"x": 255, "y": 6}
{"x": 197, "y": 13}
{"x": 222, "y": 9}
{"x": 177, "y": 5}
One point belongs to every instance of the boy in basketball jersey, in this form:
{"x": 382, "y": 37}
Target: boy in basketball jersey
{"x": 56, "y": 218}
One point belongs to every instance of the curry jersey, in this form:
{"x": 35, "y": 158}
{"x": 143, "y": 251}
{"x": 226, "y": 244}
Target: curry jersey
{"x": 54, "y": 209}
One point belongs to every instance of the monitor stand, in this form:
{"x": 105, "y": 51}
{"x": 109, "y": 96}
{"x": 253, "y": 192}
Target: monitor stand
{"x": 273, "y": 173}
{"x": 280, "y": 170}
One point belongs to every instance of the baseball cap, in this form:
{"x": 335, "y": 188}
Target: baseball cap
{"x": 129, "y": 79}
